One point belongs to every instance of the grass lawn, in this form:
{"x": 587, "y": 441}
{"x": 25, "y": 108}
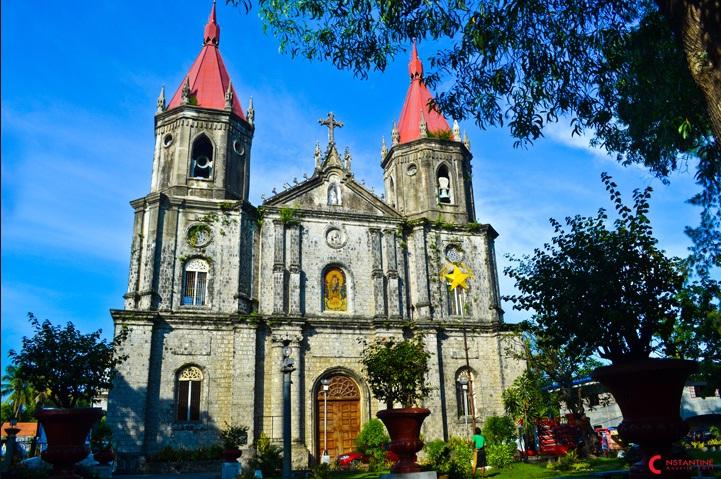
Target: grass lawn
{"x": 532, "y": 470}
{"x": 518, "y": 470}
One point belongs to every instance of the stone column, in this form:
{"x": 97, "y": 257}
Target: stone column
{"x": 278, "y": 267}
{"x": 152, "y": 238}
{"x": 377, "y": 273}
{"x": 422, "y": 301}
{"x": 394, "y": 306}
{"x": 294, "y": 306}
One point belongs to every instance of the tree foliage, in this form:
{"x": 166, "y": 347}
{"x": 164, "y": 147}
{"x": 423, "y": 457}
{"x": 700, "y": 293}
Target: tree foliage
{"x": 526, "y": 401}
{"x": 643, "y": 77}
{"x": 371, "y": 442}
{"x": 21, "y": 396}
{"x": 71, "y": 366}
{"x": 396, "y": 369}
{"x": 595, "y": 289}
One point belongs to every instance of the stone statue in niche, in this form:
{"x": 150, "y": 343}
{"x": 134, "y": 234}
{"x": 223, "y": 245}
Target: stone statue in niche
{"x": 333, "y": 194}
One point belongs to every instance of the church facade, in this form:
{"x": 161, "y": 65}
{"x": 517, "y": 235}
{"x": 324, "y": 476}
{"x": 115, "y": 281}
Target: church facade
{"x": 218, "y": 288}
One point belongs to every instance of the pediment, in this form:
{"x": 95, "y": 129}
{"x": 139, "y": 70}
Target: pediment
{"x": 332, "y": 191}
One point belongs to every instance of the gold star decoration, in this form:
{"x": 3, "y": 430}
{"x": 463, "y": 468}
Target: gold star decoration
{"x": 457, "y": 278}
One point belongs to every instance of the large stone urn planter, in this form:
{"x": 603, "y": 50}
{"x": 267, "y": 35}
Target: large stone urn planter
{"x": 404, "y": 428}
{"x": 66, "y": 431}
{"x": 649, "y": 394}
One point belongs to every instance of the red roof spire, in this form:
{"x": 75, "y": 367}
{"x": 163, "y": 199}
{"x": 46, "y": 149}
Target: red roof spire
{"x": 417, "y": 100}
{"x": 212, "y": 29}
{"x": 208, "y": 80}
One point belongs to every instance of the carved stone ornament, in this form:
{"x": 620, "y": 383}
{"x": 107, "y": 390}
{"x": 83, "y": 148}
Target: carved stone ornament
{"x": 335, "y": 237}
{"x": 199, "y": 235}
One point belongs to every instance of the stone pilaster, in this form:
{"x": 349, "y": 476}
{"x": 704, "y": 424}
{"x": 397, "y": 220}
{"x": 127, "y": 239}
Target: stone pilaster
{"x": 279, "y": 268}
{"x": 422, "y": 300}
{"x": 393, "y": 293}
{"x": 377, "y": 273}
{"x": 243, "y": 376}
{"x": 294, "y": 305}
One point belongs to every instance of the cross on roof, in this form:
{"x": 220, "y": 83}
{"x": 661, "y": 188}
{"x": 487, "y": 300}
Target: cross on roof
{"x": 331, "y": 124}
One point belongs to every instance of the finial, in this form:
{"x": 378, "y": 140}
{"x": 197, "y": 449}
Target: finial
{"x": 161, "y": 100}
{"x": 305, "y": 176}
{"x": 251, "y": 111}
{"x": 346, "y": 159}
{"x": 295, "y": 180}
{"x": 317, "y": 155}
{"x": 274, "y": 191}
{"x": 185, "y": 93}
{"x": 384, "y": 149}
{"x": 211, "y": 35}
{"x": 456, "y": 131}
{"x": 415, "y": 67}
{"x": 395, "y": 136}
{"x": 262, "y": 197}
{"x": 422, "y": 126}
{"x": 466, "y": 141}
{"x": 229, "y": 96}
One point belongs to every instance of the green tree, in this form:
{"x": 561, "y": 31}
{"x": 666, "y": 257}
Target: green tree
{"x": 644, "y": 77}
{"x": 396, "y": 369}
{"x": 71, "y": 366}
{"x": 526, "y": 401}
{"x": 21, "y": 396}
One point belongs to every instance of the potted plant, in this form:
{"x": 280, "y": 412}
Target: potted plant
{"x": 610, "y": 291}
{"x": 396, "y": 371}
{"x": 100, "y": 443}
{"x": 71, "y": 369}
{"x": 233, "y": 437}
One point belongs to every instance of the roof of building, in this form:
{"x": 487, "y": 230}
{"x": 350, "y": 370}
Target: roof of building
{"x": 417, "y": 104}
{"x": 208, "y": 79}
{"x": 27, "y": 429}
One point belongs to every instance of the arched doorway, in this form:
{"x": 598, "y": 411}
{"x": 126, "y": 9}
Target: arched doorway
{"x": 344, "y": 415}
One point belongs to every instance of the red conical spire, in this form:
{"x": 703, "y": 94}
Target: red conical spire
{"x": 211, "y": 36}
{"x": 416, "y": 105}
{"x": 415, "y": 67}
{"x": 208, "y": 80}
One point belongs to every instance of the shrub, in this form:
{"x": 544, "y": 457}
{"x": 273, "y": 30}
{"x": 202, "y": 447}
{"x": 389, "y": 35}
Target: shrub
{"x": 500, "y": 455}
{"x": 461, "y": 455}
{"x": 321, "y": 471}
{"x": 371, "y": 442}
{"x": 438, "y": 456}
{"x": 234, "y": 436}
{"x": 171, "y": 454}
{"x": 499, "y": 430}
{"x": 568, "y": 462}
{"x": 267, "y": 456}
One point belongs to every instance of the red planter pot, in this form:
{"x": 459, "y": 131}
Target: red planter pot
{"x": 66, "y": 431}
{"x": 404, "y": 428}
{"x": 231, "y": 455}
{"x": 104, "y": 457}
{"x": 649, "y": 395}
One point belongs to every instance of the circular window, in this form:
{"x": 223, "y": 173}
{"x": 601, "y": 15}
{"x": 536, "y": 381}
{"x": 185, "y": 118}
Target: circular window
{"x": 238, "y": 147}
{"x": 454, "y": 254}
{"x": 199, "y": 235}
{"x": 167, "y": 140}
{"x": 412, "y": 170}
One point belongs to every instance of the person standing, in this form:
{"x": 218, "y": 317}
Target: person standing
{"x": 479, "y": 458}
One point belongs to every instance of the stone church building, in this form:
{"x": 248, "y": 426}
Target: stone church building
{"x": 219, "y": 288}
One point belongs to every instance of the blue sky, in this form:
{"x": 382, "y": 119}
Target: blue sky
{"x": 79, "y": 85}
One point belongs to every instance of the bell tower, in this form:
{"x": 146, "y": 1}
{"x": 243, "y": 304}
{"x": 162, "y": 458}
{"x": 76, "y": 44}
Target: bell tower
{"x": 427, "y": 171}
{"x": 202, "y": 136}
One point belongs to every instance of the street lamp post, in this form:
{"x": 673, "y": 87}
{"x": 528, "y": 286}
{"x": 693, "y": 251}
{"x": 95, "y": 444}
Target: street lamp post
{"x": 463, "y": 381}
{"x": 287, "y": 368}
{"x": 326, "y": 385}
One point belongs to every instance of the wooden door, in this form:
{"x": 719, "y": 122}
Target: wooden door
{"x": 343, "y": 419}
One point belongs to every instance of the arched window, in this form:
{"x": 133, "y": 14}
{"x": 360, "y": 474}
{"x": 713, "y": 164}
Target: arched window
{"x": 457, "y": 301}
{"x": 334, "y": 194}
{"x": 201, "y": 164}
{"x": 195, "y": 282}
{"x": 464, "y": 392}
{"x": 190, "y": 380}
{"x": 391, "y": 192}
{"x": 445, "y": 195}
{"x": 335, "y": 297}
